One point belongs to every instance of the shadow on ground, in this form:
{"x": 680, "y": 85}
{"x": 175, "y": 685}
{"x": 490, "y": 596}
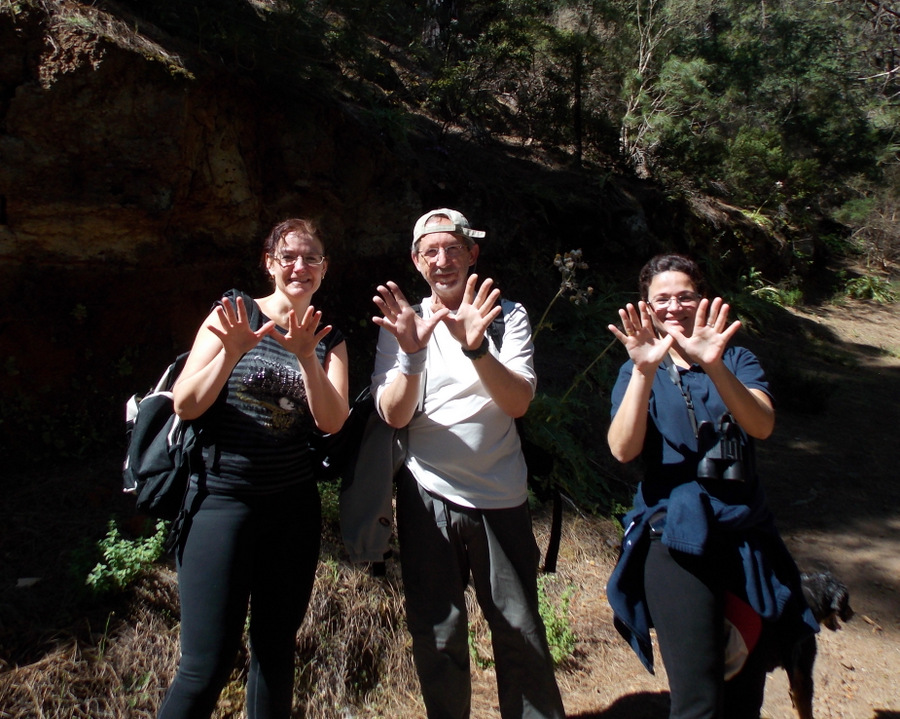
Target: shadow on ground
{"x": 830, "y": 466}
{"x": 643, "y": 705}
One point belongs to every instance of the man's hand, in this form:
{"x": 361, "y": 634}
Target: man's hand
{"x": 475, "y": 314}
{"x": 402, "y": 321}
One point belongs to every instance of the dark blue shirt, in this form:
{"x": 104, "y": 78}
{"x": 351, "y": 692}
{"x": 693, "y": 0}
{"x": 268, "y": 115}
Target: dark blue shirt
{"x": 670, "y": 454}
{"x": 701, "y": 512}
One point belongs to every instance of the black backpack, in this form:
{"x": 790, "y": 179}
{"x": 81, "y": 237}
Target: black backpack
{"x": 161, "y": 449}
{"x": 334, "y": 455}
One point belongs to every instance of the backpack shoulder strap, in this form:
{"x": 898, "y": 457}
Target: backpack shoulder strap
{"x": 254, "y": 314}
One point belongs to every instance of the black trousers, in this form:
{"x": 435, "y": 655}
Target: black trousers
{"x": 685, "y": 595}
{"x": 259, "y": 552}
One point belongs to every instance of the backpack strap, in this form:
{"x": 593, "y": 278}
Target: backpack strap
{"x": 675, "y": 376}
{"x": 254, "y": 314}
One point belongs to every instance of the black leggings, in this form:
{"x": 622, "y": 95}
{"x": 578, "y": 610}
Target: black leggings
{"x": 685, "y": 598}
{"x": 257, "y": 550}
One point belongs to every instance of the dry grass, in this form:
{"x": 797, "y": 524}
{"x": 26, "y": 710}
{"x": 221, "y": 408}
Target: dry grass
{"x": 354, "y": 655}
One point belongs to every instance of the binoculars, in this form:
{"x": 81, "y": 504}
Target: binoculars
{"x": 724, "y": 454}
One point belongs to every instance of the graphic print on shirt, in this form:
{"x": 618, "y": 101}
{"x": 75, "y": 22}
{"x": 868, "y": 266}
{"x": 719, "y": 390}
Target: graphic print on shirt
{"x": 278, "y": 391}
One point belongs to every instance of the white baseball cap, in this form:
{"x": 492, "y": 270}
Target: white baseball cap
{"x": 457, "y": 225}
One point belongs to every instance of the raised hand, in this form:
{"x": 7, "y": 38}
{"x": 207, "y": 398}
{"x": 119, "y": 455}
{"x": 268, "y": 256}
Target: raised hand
{"x": 303, "y": 335}
{"x": 710, "y": 336}
{"x": 402, "y": 321}
{"x": 639, "y": 337}
{"x": 475, "y": 313}
{"x": 234, "y": 329}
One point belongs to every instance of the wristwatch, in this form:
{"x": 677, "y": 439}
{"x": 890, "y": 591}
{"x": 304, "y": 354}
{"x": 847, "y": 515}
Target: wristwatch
{"x": 479, "y": 351}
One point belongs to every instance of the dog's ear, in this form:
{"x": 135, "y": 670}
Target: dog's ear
{"x": 844, "y": 610}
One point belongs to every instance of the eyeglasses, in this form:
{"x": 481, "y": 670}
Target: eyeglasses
{"x": 685, "y": 299}
{"x": 451, "y": 253}
{"x": 291, "y": 260}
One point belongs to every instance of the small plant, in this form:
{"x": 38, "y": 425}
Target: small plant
{"x": 557, "y": 622}
{"x": 869, "y": 287}
{"x": 560, "y": 420}
{"x": 478, "y": 659}
{"x": 124, "y": 559}
{"x": 757, "y": 286}
{"x": 330, "y": 492}
{"x": 561, "y": 638}
{"x": 566, "y": 264}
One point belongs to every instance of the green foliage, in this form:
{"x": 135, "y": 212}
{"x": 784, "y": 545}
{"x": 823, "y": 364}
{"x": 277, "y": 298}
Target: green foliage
{"x": 782, "y": 295}
{"x": 870, "y": 287}
{"x": 562, "y": 420}
{"x": 329, "y": 493}
{"x": 123, "y": 559}
{"x": 872, "y": 213}
{"x": 561, "y": 638}
{"x": 479, "y": 659}
{"x": 740, "y": 97}
{"x": 855, "y": 211}
{"x": 743, "y": 95}
{"x": 557, "y": 620}
{"x": 755, "y": 301}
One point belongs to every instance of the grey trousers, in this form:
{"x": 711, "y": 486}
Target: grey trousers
{"x": 441, "y": 544}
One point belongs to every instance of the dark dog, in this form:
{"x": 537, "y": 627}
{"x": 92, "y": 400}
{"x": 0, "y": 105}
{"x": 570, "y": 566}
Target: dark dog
{"x": 829, "y": 601}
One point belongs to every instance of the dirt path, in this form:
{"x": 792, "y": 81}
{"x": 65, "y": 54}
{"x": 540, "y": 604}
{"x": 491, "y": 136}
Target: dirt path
{"x": 831, "y": 480}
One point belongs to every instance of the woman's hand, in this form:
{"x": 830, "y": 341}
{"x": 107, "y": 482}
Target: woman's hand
{"x": 234, "y": 330}
{"x": 219, "y": 345}
{"x": 640, "y": 339}
{"x": 303, "y": 335}
{"x": 402, "y": 321}
{"x": 711, "y": 335}
{"x": 475, "y": 313}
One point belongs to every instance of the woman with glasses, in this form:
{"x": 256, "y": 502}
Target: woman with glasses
{"x": 262, "y": 375}
{"x": 701, "y": 560}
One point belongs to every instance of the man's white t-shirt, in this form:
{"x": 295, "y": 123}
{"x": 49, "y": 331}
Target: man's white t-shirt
{"x": 463, "y": 447}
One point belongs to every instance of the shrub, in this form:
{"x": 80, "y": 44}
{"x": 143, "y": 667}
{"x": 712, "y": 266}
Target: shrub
{"x": 869, "y": 287}
{"x": 125, "y": 559}
{"x": 557, "y": 621}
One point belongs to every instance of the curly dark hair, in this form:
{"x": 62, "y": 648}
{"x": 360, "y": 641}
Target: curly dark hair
{"x": 670, "y": 262}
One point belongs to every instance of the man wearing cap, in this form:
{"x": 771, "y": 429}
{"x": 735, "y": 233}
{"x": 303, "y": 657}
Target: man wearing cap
{"x": 462, "y": 495}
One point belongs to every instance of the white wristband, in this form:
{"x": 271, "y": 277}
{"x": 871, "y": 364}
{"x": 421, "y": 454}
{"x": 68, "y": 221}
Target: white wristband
{"x": 413, "y": 363}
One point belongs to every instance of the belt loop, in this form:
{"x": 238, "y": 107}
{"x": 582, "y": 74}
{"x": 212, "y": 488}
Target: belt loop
{"x": 440, "y": 513}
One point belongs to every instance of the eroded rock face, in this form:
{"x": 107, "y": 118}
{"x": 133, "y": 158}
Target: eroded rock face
{"x": 130, "y": 197}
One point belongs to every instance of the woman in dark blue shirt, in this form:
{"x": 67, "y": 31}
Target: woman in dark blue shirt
{"x": 261, "y": 376}
{"x": 700, "y": 547}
